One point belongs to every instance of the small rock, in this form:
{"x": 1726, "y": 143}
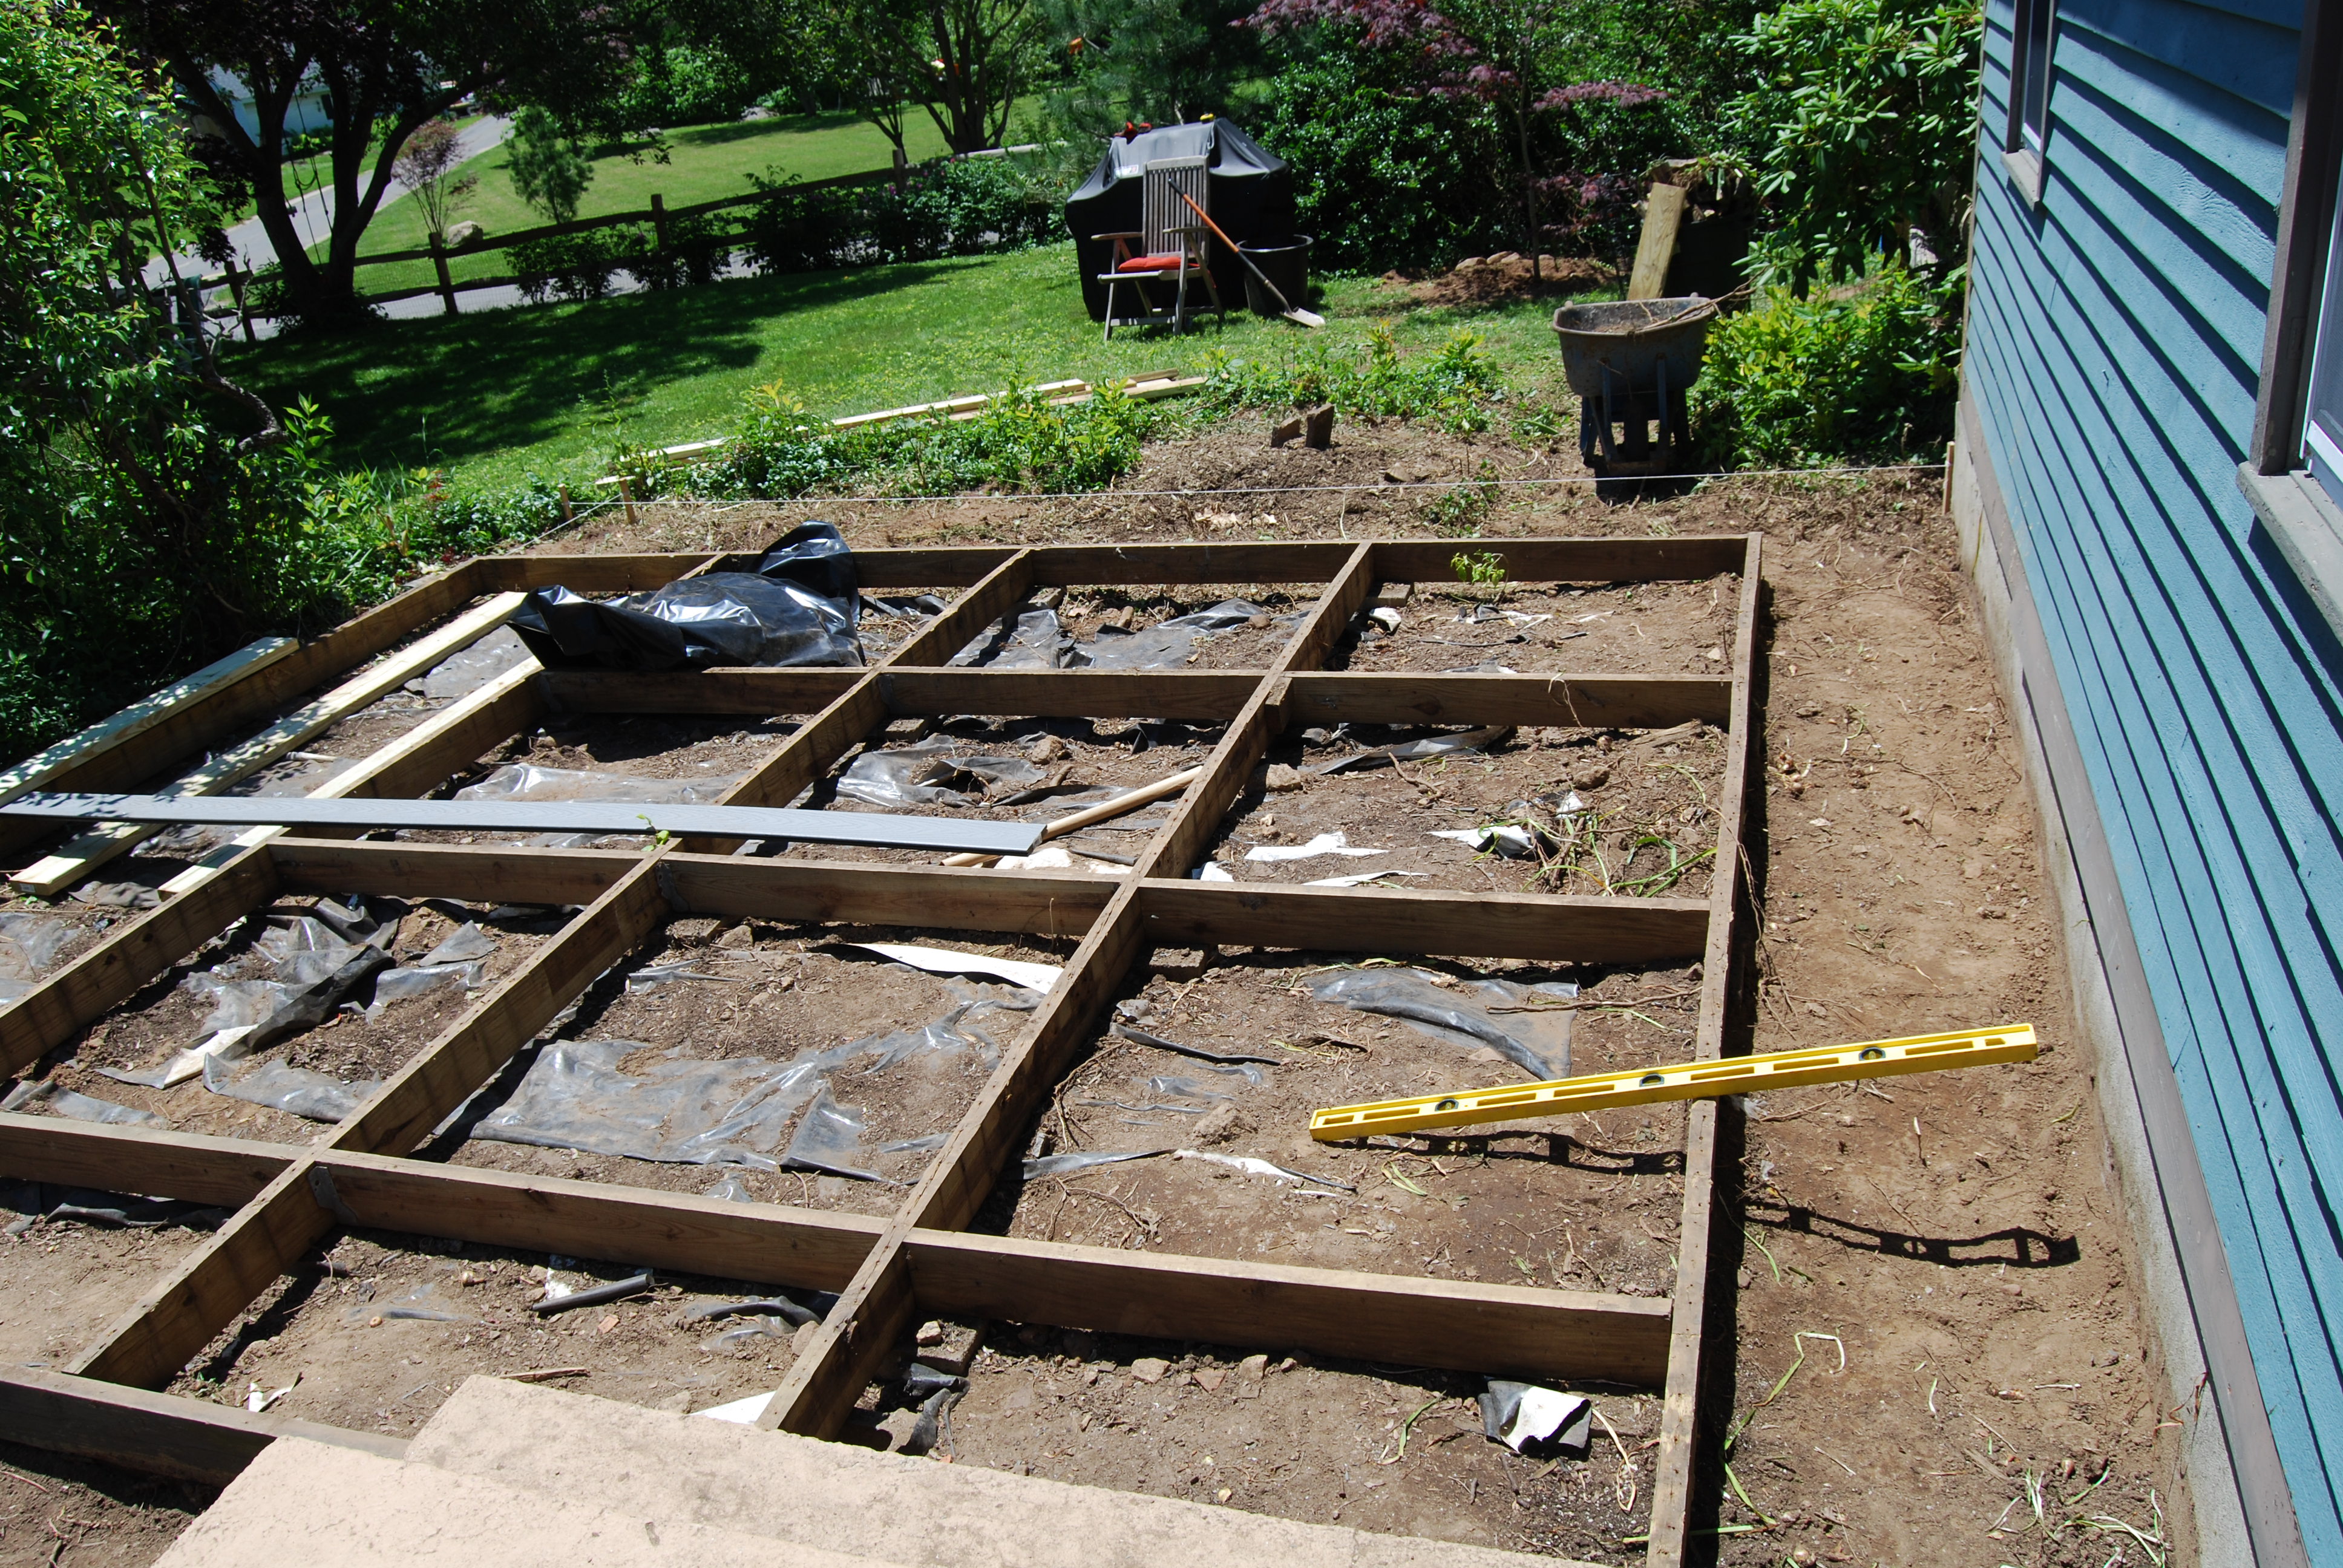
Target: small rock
{"x": 1816, "y": 1009}
{"x": 1223, "y": 1495}
{"x": 1252, "y": 1369}
{"x": 931, "y": 1333}
{"x": 1594, "y": 776}
{"x": 460, "y": 234}
{"x": 1714, "y": 653}
{"x": 1221, "y": 1124}
{"x": 1046, "y": 750}
{"x": 1993, "y": 913}
{"x": 607, "y": 1324}
{"x": 1210, "y": 1379}
{"x": 469, "y": 1278}
{"x": 1280, "y": 776}
{"x": 1150, "y": 1369}
{"x": 694, "y": 932}
{"x": 1745, "y": 1279}
{"x": 739, "y": 936}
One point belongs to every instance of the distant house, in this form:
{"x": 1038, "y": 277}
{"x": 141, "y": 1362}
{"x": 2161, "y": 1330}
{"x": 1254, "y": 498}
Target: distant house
{"x": 2149, "y": 483}
{"x": 306, "y": 112}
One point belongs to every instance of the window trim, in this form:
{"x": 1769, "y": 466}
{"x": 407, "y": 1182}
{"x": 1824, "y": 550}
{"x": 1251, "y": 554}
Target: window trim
{"x": 2024, "y": 153}
{"x": 2305, "y": 220}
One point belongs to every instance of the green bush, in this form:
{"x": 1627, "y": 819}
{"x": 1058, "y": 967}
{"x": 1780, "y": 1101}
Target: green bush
{"x": 576, "y": 265}
{"x": 1863, "y": 370}
{"x": 1452, "y": 387}
{"x": 952, "y": 207}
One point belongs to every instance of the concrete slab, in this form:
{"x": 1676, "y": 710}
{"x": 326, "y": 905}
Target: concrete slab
{"x": 303, "y": 1502}
{"x": 914, "y": 1512}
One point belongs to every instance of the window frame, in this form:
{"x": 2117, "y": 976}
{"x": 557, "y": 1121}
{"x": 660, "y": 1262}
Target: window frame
{"x": 2024, "y": 143}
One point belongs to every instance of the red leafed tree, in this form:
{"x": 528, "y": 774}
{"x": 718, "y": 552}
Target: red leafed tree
{"x": 1502, "y": 53}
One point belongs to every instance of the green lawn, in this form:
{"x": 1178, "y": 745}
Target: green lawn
{"x": 705, "y": 163}
{"x": 504, "y": 395}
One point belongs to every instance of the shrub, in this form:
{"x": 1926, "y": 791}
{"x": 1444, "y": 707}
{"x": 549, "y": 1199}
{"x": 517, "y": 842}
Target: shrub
{"x": 576, "y": 266}
{"x": 1860, "y": 370}
{"x": 1452, "y": 387}
{"x": 954, "y": 206}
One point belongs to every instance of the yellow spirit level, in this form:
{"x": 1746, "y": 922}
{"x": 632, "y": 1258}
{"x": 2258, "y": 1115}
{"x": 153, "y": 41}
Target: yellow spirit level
{"x": 1693, "y": 1081}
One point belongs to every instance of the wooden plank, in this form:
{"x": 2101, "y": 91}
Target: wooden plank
{"x": 1675, "y": 1468}
{"x": 199, "y": 726}
{"x": 860, "y": 894}
{"x": 476, "y": 873}
{"x": 1572, "y": 929}
{"x": 1204, "y": 696}
{"x": 767, "y": 1243}
{"x": 409, "y": 766}
{"x": 1575, "y": 701}
{"x": 111, "y": 973}
{"x": 1655, "y": 247}
{"x": 37, "y": 771}
{"x": 436, "y": 1079}
{"x": 1496, "y": 1330}
{"x": 144, "y": 1161}
{"x": 1685, "y": 557}
{"x": 1301, "y": 561}
{"x": 594, "y": 573}
{"x": 839, "y": 1359}
{"x": 761, "y": 693}
{"x": 87, "y": 853}
{"x": 157, "y": 1434}
{"x": 1002, "y": 589}
{"x": 147, "y": 1345}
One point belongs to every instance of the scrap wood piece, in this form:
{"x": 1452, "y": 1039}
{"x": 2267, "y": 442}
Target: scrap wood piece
{"x": 143, "y": 715}
{"x": 878, "y": 830}
{"x": 1121, "y": 805}
{"x": 1656, "y": 246}
{"x": 1690, "y": 1081}
{"x": 53, "y": 873}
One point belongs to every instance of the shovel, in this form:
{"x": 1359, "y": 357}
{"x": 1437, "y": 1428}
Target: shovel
{"x": 1286, "y": 308}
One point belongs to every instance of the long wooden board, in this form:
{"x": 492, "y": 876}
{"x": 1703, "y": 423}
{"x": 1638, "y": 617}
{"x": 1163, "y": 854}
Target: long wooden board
{"x": 37, "y": 771}
{"x": 158, "y": 1433}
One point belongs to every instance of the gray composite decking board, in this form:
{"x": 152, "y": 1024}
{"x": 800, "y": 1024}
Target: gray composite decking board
{"x": 880, "y": 829}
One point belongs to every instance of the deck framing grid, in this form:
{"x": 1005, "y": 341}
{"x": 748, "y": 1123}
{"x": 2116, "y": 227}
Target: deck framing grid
{"x": 288, "y": 1199}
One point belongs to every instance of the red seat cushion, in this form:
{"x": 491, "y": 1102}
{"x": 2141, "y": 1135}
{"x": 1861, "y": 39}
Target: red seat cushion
{"x": 1151, "y": 264}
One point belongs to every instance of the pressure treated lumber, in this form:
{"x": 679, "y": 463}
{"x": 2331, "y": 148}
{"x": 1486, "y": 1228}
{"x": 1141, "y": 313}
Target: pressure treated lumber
{"x": 885, "y": 829}
{"x": 84, "y": 854}
{"x": 477, "y": 873}
{"x": 1655, "y": 245}
{"x": 75, "y": 750}
{"x": 1573, "y": 701}
{"x": 192, "y": 1166}
{"x": 851, "y": 893}
{"x": 1181, "y": 913}
{"x": 1121, "y": 805}
{"x": 1202, "y": 696}
{"x": 1496, "y": 1330}
{"x": 158, "y": 1433}
{"x": 1684, "y": 557}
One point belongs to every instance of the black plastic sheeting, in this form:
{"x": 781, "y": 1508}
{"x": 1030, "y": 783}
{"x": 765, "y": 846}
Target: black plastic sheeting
{"x": 1252, "y": 198}
{"x": 799, "y": 607}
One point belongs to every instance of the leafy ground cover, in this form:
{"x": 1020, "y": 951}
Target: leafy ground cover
{"x": 501, "y": 396}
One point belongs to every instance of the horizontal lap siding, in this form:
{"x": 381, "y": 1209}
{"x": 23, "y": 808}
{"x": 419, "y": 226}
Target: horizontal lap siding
{"x": 2114, "y": 346}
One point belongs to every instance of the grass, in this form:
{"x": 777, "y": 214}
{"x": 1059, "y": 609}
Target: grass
{"x": 706, "y": 163}
{"x": 503, "y": 396}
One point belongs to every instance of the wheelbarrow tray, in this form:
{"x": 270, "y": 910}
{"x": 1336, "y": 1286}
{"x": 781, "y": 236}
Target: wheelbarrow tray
{"x": 1632, "y": 338}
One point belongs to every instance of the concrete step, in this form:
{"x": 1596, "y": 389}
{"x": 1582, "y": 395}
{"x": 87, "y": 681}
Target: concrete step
{"x": 914, "y": 1512}
{"x": 305, "y": 1501}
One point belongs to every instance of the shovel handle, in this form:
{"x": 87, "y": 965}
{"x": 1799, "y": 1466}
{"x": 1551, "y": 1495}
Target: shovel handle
{"x": 1274, "y": 292}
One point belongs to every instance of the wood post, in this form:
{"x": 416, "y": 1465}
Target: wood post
{"x": 235, "y": 291}
{"x": 439, "y": 265}
{"x": 626, "y": 494}
{"x": 659, "y": 223}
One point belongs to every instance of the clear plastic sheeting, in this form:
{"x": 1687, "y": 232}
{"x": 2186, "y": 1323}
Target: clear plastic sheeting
{"x": 33, "y": 1202}
{"x": 1457, "y": 1012}
{"x": 828, "y": 1140}
{"x": 462, "y": 674}
{"x": 64, "y": 1101}
{"x": 314, "y": 1096}
{"x": 1075, "y": 1164}
{"x": 1034, "y": 640}
{"x": 798, "y": 607}
{"x": 528, "y": 781}
{"x": 680, "y": 1109}
{"x": 406, "y": 984}
{"x": 467, "y": 944}
{"x": 29, "y": 944}
{"x": 931, "y": 775}
{"x": 1451, "y": 745}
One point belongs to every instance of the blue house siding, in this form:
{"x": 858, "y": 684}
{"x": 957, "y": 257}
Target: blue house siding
{"x": 2114, "y": 355}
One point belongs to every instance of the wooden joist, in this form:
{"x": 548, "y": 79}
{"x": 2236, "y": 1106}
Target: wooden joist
{"x": 38, "y": 771}
{"x": 158, "y": 1433}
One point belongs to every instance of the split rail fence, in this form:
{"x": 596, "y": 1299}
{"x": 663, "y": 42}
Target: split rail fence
{"x": 923, "y": 1259}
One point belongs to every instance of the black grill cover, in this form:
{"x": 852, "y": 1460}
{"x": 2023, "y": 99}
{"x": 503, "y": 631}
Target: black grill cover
{"x": 1253, "y": 199}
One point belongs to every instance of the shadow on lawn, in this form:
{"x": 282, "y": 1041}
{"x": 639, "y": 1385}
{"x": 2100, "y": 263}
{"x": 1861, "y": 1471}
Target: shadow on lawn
{"x": 505, "y": 379}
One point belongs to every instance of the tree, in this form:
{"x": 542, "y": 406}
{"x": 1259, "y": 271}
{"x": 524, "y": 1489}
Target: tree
{"x": 965, "y": 62}
{"x": 427, "y": 167}
{"x": 150, "y": 511}
{"x": 1159, "y": 61}
{"x": 549, "y": 170}
{"x": 386, "y": 69}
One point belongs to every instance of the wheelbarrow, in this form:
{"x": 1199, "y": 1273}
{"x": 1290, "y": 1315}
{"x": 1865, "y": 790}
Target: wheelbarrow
{"x": 1631, "y": 362}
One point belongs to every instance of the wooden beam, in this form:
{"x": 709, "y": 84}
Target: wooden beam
{"x": 147, "y": 1345}
{"x": 1002, "y": 589}
{"x": 1181, "y": 913}
{"x": 1204, "y": 696}
{"x": 157, "y": 1434}
{"x": 761, "y": 693}
{"x": 593, "y": 574}
{"x": 36, "y": 772}
{"x": 767, "y": 1243}
{"x": 1685, "y": 557}
{"x": 1674, "y": 1469}
{"x": 436, "y": 1079}
{"x": 855, "y": 894}
{"x": 1571, "y": 702}
{"x": 144, "y": 1161}
{"x": 476, "y": 873}
{"x": 200, "y": 726}
{"x": 60, "y": 1008}
{"x": 84, "y": 854}
{"x": 1655, "y": 245}
{"x": 1124, "y": 565}
{"x": 1497, "y": 1330}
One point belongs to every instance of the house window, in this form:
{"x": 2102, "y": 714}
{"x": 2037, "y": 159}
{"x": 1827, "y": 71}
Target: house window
{"x": 2322, "y": 413}
{"x": 2029, "y": 74}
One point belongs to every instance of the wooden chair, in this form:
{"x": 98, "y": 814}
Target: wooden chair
{"x": 1170, "y": 247}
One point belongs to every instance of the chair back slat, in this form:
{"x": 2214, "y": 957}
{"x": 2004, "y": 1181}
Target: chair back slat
{"x": 1166, "y": 216}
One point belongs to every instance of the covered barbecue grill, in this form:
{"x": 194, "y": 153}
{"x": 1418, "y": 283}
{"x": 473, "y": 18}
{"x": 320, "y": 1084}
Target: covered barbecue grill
{"x": 1251, "y": 197}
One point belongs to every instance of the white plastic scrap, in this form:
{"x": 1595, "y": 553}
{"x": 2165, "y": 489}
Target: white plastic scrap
{"x": 1361, "y": 879}
{"x": 1334, "y": 843}
{"x": 259, "y": 1399}
{"x": 1213, "y": 871}
{"x": 1252, "y": 1167}
{"x": 1541, "y": 1414}
{"x": 739, "y": 1411}
{"x": 944, "y": 962}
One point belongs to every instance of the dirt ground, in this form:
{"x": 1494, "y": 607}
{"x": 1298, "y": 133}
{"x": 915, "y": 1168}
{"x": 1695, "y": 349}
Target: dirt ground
{"x": 61, "y": 1513}
{"x": 1953, "y": 1237}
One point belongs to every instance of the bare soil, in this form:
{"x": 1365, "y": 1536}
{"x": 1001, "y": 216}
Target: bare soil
{"x": 1652, "y": 628}
{"x": 335, "y": 1340}
{"x": 783, "y": 992}
{"x": 57, "y": 1512}
{"x": 63, "y": 1282}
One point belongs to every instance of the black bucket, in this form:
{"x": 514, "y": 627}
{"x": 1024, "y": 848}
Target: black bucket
{"x": 1287, "y": 264}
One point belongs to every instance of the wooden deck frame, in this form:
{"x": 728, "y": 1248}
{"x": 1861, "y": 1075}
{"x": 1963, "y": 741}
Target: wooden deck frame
{"x": 288, "y": 1199}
